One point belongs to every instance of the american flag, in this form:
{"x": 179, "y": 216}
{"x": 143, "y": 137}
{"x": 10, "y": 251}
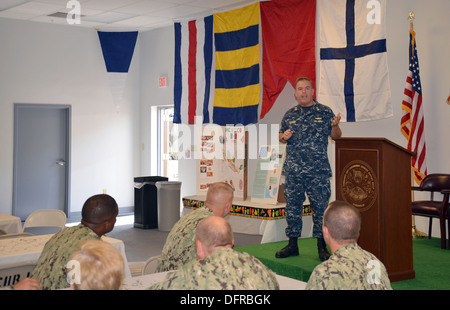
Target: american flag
{"x": 412, "y": 121}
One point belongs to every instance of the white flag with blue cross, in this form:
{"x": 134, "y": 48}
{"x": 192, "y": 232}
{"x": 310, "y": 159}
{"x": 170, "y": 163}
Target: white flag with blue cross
{"x": 353, "y": 71}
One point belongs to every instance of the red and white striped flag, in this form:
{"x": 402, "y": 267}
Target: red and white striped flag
{"x": 193, "y": 68}
{"x": 412, "y": 121}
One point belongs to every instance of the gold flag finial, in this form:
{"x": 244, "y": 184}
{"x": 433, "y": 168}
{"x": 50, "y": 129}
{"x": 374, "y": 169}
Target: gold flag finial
{"x": 411, "y": 17}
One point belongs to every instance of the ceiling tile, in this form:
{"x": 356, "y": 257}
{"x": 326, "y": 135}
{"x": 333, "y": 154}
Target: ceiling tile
{"x": 106, "y": 5}
{"x": 178, "y": 11}
{"x": 144, "y": 6}
{"x": 36, "y": 8}
{"x": 140, "y": 21}
{"x": 16, "y": 15}
{"x": 107, "y": 17}
{"x": 7, "y": 4}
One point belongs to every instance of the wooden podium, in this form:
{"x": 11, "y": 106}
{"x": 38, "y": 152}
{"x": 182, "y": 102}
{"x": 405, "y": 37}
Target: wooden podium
{"x": 374, "y": 175}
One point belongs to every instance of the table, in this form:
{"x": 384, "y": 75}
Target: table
{"x": 143, "y": 282}
{"x": 254, "y": 218}
{"x": 29, "y": 248}
{"x": 11, "y": 224}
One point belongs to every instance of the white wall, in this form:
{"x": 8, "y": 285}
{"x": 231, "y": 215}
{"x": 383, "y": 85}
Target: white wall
{"x": 61, "y": 64}
{"x": 431, "y": 26}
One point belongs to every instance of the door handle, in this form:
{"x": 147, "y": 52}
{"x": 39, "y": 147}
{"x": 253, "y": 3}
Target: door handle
{"x": 60, "y": 162}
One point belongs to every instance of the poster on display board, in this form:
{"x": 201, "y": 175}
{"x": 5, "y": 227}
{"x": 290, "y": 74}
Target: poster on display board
{"x": 266, "y": 185}
{"x": 223, "y": 157}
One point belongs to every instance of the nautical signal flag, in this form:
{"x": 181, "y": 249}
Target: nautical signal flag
{"x": 118, "y": 49}
{"x": 193, "y": 69}
{"x": 354, "y": 77}
{"x": 236, "y": 38}
{"x": 288, "y": 43}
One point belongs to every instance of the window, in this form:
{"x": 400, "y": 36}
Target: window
{"x": 167, "y": 150}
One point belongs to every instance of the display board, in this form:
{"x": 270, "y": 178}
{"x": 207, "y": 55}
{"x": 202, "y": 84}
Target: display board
{"x": 222, "y": 153}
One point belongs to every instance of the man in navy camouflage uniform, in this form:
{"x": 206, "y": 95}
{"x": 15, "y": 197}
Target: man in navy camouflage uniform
{"x": 179, "y": 247}
{"x": 99, "y": 214}
{"x": 305, "y": 129}
{"x": 217, "y": 265}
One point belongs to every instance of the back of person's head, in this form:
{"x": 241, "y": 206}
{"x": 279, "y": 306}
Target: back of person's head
{"x": 99, "y": 209}
{"x": 214, "y": 232}
{"x": 219, "y": 196}
{"x": 101, "y": 266}
{"x": 343, "y": 221}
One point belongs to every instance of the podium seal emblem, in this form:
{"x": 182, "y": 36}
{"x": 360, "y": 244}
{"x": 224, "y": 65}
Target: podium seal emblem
{"x": 359, "y": 185}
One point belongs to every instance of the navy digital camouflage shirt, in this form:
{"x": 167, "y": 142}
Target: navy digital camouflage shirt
{"x": 306, "y": 150}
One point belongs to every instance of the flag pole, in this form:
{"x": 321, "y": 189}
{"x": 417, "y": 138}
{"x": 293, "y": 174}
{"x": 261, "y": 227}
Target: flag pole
{"x": 411, "y": 17}
{"x": 415, "y": 231}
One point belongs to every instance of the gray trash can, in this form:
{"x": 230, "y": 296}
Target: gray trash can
{"x": 168, "y": 204}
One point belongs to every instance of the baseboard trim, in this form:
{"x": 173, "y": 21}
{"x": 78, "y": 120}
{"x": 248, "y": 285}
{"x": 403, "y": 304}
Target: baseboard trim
{"x": 76, "y": 216}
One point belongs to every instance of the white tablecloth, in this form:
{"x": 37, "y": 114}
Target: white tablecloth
{"x": 143, "y": 282}
{"x": 11, "y": 224}
{"x": 28, "y": 249}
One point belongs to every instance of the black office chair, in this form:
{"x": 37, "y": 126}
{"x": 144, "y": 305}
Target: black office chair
{"x": 432, "y": 183}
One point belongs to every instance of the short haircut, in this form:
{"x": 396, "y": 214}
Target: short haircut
{"x": 214, "y": 231}
{"x": 343, "y": 221}
{"x": 302, "y": 78}
{"x": 101, "y": 266}
{"x": 219, "y": 193}
{"x": 99, "y": 209}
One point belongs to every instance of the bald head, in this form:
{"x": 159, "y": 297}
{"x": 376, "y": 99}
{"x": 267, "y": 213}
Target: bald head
{"x": 212, "y": 233}
{"x": 99, "y": 213}
{"x": 219, "y": 198}
{"x": 99, "y": 208}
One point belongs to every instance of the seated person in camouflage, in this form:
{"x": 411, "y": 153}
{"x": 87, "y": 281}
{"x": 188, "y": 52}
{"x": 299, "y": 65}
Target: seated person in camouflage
{"x": 98, "y": 218}
{"x": 179, "y": 247}
{"x": 96, "y": 265}
{"x": 218, "y": 266}
{"x": 349, "y": 267}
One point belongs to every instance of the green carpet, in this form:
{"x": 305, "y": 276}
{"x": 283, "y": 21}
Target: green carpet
{"x": 431, "y": 263}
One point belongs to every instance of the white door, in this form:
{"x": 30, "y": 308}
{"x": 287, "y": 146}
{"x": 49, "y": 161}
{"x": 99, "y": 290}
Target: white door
{"x": 41, "y": 158}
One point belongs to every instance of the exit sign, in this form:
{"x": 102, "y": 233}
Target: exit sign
{"x": 162, "y": 82}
